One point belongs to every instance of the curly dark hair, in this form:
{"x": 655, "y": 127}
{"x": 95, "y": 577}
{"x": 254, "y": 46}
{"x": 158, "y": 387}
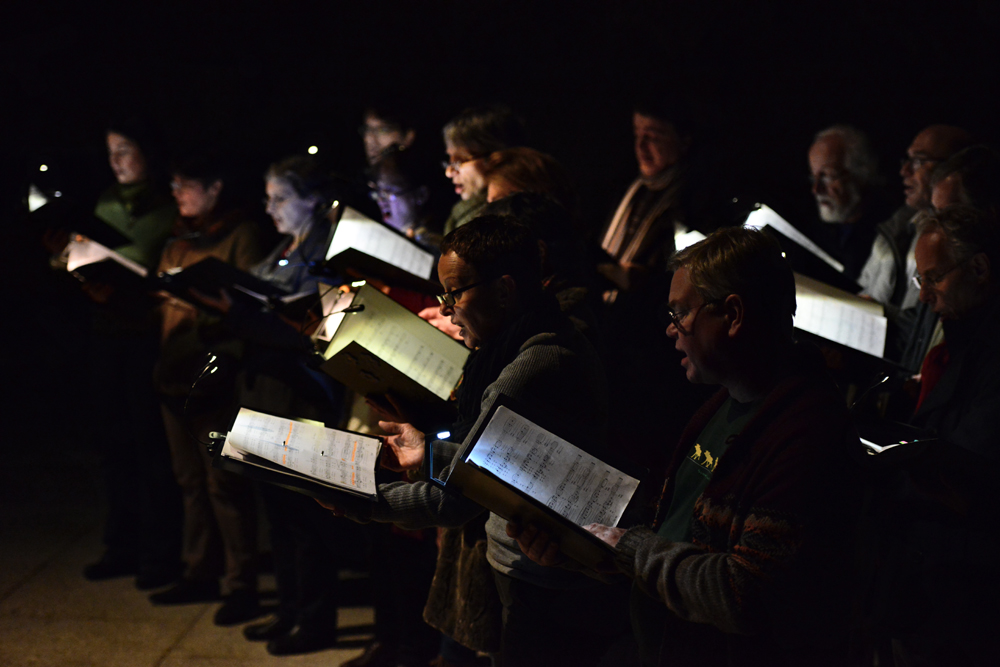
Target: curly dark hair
{"x": 494, "y": 246}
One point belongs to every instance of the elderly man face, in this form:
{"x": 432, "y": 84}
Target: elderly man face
{"x": 951, "y": 287}
{"x": 837, "y": 192}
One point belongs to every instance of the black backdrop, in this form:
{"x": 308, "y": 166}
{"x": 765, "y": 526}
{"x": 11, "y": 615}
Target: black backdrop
{"x": 270, "y": 78}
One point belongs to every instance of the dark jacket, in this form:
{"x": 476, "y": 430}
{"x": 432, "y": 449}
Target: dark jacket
{"x": 963, "y": 406}
{"x": 762, "y": 582}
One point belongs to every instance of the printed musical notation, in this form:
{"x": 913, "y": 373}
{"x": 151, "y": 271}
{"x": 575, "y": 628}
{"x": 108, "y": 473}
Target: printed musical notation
{"x": 839, "y": 316}
{"x": 375, "y": 239}
{"x": 335, "y": 457}
{"x": 554, "y": 472}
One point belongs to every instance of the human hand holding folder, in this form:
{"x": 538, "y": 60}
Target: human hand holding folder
{"x": 608, "y": 534}
{"x": 222, "y": 302}
{"x": 537, "y": 545}
{"x": 405, "y": 450}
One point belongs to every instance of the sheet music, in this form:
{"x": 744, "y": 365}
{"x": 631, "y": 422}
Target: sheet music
{"x": 375, "y": 239}
{"x": 839, "y": 316}
{"x": 686, "y": 239}
{"x": 766, "y": 216}
{"x": 83, "y": 251}
{"x": 554, "y": 472}
{"x": 392, "y": 342}
{"x": 335, "y": 457}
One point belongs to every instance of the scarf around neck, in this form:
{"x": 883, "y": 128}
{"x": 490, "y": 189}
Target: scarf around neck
{"x": 485, "y": 364}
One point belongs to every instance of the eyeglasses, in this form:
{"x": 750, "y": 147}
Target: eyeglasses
{"x": 917, "y": 162}
{"x": 381, "y": 195}
{"x": 449, "y": 299}
{"x": 456, "y": 164}
{"x": 929, "y": 280}
{"x": 675, "y": 317}
{"x": 381, "y": 130}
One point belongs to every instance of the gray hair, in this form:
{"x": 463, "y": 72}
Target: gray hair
{"x": 967, "y": 230}
{"x": 860, "y": 160}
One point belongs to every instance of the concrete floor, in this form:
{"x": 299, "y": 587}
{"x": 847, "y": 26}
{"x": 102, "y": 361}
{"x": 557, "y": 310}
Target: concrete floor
{"x": 51, "y": 510}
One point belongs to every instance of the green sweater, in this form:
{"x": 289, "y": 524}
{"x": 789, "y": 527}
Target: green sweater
{"x": 142, "y": 214}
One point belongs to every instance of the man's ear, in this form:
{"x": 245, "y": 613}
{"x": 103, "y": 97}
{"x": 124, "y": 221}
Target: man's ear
{"x": 408, "y": 138}
{"x": 733, "y": 309}
{"x": 979, "y": 265}
{"x": 507, "y": 290}
{"x": 215, "y": 189}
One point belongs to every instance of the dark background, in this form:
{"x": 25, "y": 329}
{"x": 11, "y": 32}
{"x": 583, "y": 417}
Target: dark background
{"x": 268, "y": 79}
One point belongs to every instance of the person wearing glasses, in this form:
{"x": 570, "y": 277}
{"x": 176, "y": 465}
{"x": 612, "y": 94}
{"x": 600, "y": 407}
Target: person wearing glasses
{"x": 387, "y": 124}
{"x": 886, "y": 274}
{"x": 523, "y": 347}
{"x": 959, "y": 399}
{"x": 960, "y": 377}
{"x": 745, "y": 558}
{"x": 469, "y": 138}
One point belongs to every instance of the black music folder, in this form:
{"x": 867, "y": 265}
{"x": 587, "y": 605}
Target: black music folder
{"x": 528, "y": 474}
{"x": 301, "y": 455}
{"x": 376, "y": 251}
{"x": 375, "y": 346}
{"x": 91, "y": 261}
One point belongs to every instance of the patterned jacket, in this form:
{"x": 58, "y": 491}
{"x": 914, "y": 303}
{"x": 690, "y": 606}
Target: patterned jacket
{"x": 764, "y": 581}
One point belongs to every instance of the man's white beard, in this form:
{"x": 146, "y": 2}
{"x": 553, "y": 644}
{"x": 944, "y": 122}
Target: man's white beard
{"x": 833, "y": 214}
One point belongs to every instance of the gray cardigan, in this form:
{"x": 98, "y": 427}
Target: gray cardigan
{"x": 558, "y": 374}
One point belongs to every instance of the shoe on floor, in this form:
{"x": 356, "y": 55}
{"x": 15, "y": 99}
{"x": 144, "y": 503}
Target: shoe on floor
{"x": 111, "y": 566}
{"x": 157, "y": 576}
{"x": 238, "y": 607}
{"x": 303, "y": 639}
{"x": 187, "y": 591}
{"x": 377, "y": 654}
{"x": 269, "y": 629}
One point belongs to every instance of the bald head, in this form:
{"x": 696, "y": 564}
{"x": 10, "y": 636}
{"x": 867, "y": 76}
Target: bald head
{"x": 930, "y": 147}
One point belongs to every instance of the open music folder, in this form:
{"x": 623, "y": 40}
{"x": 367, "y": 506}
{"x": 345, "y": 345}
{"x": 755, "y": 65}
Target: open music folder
{"x": 375, "y": 346}
{"x": 803, "y": 254}
{"x": 525, "y": 473}
{"x": 302, "y": 455}
{"x": 212, "y": 275}
{"x": 92, "y": 261}
{"x": 376, "y": 251}
{"x": 839, "y": 316}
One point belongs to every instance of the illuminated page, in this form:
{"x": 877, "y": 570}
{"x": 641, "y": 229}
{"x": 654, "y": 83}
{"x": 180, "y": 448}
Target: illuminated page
{"x": 83, "y": 251}
{"x": 766, "y": 216}
{"x": 376, "y": 239}
{"x": 334, "y": 457}
{"x": 557, "y": 474}
{"x": 404, "y": 341}
{"x": 839, "y": 316}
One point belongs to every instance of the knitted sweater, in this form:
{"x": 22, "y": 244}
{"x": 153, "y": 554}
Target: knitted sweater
{"x": 764, "y": 580}
{"x": 557, "y": 373}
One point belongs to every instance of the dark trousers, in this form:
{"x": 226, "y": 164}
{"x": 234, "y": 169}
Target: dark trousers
{"x": 144, "y": 503}
{"x": 403, "y": 565}
{"x": 309, "y": 546}
{"x": 220, "y": 515}
{"x": 552, "y": 627}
